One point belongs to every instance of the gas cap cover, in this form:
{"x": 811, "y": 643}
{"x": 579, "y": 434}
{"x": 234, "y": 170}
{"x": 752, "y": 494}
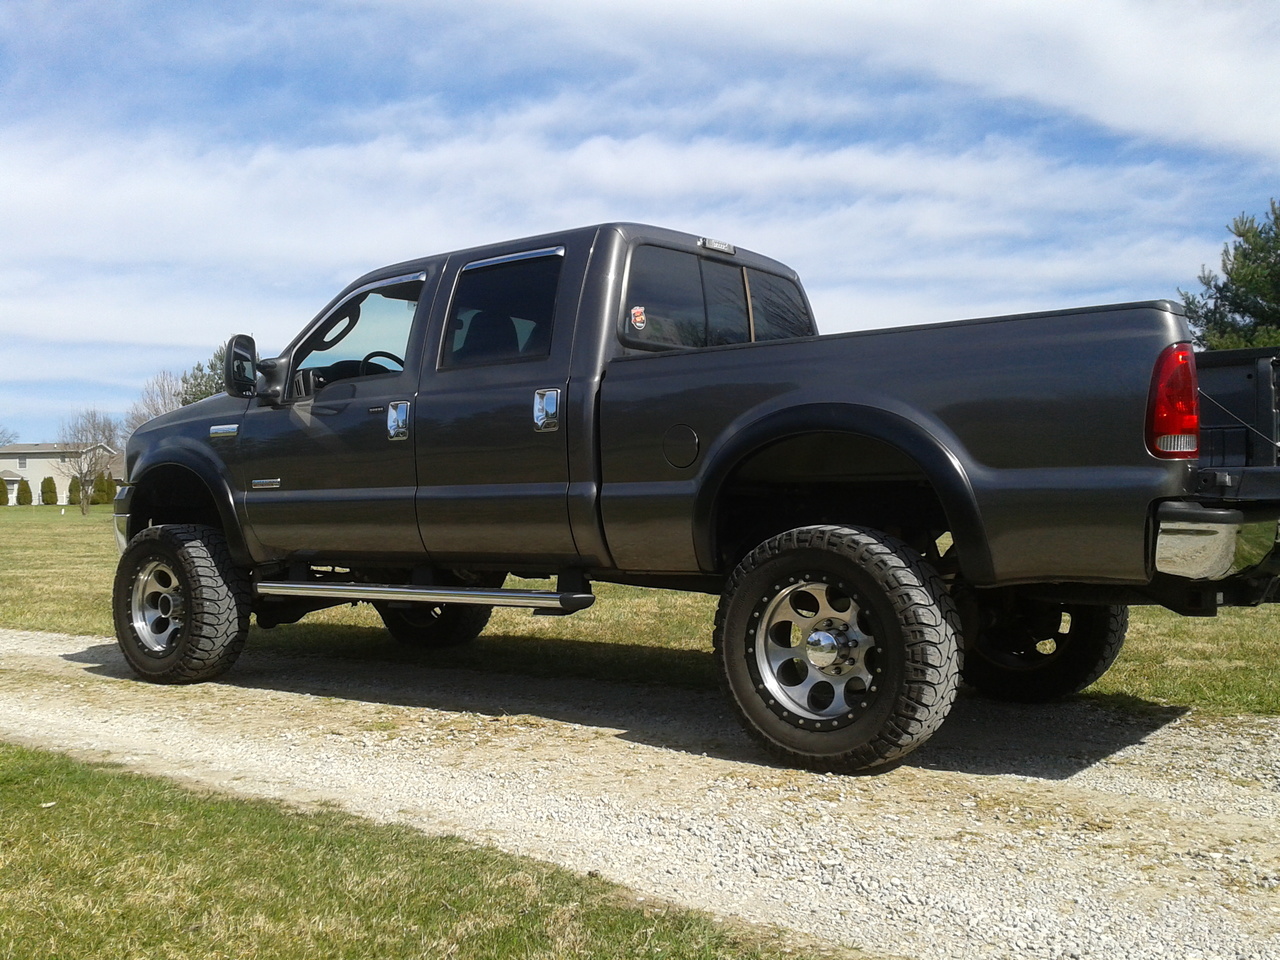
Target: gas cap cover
{"x": 680, "y": 445}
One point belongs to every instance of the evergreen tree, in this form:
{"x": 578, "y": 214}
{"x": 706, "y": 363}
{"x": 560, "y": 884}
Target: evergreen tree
{"x": 102, "y": 492}
{"x": 4, "y": 494}
{"x": 1242, "y": 307}
{"x": 73, "y": 492}
{"x": 202, "y": 381}
{"x": 24, "y": 493}
{"x": 48, "y": 491}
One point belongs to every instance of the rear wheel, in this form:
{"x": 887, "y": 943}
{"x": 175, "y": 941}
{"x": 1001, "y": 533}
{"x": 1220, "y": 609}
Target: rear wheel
{"x": 838, "y": 647}
{"x": 180, "y": 604}
{"x": 1032, "y": 651}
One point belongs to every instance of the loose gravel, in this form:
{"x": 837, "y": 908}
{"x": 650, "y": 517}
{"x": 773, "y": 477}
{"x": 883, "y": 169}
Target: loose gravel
{"x": 1057, "y": 831}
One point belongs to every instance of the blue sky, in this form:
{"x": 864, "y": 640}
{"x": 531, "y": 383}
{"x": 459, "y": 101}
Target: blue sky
{"x": 172, "y": 173}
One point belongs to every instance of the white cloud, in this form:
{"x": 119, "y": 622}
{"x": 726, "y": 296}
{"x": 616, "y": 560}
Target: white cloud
{"x": 193, "y": 242}
{"x": 915, "y": 160}
{"x": 1180, "y": 71}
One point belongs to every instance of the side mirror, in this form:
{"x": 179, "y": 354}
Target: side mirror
{"x": 240, "y": 366}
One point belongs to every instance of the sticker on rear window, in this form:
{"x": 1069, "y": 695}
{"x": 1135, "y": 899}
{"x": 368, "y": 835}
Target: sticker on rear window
{"x": 638, "y": 318}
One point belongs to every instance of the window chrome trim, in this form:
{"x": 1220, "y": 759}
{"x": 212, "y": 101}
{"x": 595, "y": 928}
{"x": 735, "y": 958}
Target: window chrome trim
{"x": 513, "y": 257}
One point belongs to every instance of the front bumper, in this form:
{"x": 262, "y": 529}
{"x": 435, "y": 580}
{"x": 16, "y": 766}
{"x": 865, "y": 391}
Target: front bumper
{"x": 121, "y": 506}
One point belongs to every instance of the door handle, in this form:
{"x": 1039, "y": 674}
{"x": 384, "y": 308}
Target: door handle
{"x": 546, "y": 411}
{"x": 398, "y": 420}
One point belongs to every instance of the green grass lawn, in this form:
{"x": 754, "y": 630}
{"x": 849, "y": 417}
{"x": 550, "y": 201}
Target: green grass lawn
{"x": 96, "y": 863}
{"x": 56, "y": 571}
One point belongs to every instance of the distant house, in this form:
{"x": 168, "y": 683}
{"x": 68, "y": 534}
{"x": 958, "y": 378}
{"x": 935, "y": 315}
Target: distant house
{"x": 35, "y": 461}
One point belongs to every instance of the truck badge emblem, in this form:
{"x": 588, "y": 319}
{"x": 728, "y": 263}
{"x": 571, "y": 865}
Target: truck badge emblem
{"x": 638, "y": 318}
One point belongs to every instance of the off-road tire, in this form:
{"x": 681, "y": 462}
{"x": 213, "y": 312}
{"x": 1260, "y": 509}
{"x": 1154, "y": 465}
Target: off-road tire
{"x": 891, "y": 636}
{"x": 434, "y": 625}
{"x": 1034, "y": 653}
{"x": 180, "y": 604}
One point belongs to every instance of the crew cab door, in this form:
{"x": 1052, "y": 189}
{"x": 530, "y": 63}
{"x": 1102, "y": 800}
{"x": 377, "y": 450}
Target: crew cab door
{"x": 329, "y": 470}
{"x": 491, "y": 423}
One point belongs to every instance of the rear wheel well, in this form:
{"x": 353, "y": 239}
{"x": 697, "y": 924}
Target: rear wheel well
{"x": 826, "y": 478}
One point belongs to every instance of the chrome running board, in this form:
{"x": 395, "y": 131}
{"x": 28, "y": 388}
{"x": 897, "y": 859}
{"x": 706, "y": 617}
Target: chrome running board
{"x": 536, "y": 599}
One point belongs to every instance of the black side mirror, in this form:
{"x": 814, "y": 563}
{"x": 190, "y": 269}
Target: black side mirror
{"x": 240, "y": 366}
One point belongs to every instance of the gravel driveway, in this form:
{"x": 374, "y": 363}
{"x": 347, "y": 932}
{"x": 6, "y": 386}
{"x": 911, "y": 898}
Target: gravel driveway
{"x": 1058, "y": 831}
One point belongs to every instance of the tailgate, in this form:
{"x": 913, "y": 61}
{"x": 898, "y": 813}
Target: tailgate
{"x": 1240, "y": 427}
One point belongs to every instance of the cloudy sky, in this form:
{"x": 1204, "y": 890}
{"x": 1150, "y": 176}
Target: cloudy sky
{"x": 175, "y": 172}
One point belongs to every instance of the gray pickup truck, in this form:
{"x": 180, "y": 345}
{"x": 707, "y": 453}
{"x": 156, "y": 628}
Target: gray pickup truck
{"x": 881, "y": 512}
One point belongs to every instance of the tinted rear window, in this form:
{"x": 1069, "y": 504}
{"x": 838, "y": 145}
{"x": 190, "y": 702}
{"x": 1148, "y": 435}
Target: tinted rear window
{"x": 679, "y": 299}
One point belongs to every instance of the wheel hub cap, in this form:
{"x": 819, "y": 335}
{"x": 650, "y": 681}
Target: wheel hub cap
{"x": 814, "y": 655}
{"x": 822, "y": 649}
{"x": 157, "y": 607}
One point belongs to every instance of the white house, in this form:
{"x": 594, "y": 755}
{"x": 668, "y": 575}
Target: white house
{"x": 35, "y": 461}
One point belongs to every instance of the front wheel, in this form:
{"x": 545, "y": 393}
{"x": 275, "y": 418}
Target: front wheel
{"x": 180, "y": 604}
{"x": 838, "y": 647}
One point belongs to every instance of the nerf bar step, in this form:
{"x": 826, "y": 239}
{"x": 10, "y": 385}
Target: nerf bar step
{"x": 536, "y": 599}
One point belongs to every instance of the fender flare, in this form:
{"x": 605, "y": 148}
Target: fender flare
{"x": 944, "y": 470}
{"x": 196, "y": 459}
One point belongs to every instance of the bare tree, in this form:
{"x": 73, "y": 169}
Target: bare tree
{"x": 168, "y": 391}
{"x": 90, "y": 440}
{"x": 7, "y": 436}
{"x": 160, "y": 394}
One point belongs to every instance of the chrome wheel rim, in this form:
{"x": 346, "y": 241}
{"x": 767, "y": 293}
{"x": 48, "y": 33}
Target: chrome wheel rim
{"x": 158, "y": 607}
{"x": 814, "y": 654}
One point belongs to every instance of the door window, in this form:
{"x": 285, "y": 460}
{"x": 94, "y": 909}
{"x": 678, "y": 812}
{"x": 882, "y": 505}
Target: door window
{"x": 365, "y": 336}
{"x": 502, "y": 311}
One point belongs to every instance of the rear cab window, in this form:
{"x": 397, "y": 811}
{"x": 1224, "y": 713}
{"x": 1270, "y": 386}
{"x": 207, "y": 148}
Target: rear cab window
{"x": 676, "y": 299}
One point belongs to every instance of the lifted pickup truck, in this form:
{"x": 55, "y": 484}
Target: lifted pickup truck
{"x": 881, "y": 512}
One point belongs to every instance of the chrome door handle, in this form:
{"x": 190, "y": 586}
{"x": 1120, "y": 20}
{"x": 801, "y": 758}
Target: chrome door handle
{"x": 546, "y": 411}
{"x": 398, "y": 420}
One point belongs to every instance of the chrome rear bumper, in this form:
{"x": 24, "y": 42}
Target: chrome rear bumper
{"x": 1209, "y": 543}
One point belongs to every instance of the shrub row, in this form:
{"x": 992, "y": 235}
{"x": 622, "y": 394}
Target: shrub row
{"x": 104, "y": 491}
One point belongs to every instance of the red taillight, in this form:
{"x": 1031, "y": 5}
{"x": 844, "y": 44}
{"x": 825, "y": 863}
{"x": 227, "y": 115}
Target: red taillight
{"x": 1173, "y": 409}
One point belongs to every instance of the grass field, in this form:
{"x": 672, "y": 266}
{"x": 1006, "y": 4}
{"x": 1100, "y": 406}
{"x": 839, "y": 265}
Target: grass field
{"x": 56, "y": 571}
{"x": 97, "y": 863}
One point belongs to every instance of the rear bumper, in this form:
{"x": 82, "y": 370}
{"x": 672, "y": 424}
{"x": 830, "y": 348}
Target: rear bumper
{"x": 1210, "y": 543}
